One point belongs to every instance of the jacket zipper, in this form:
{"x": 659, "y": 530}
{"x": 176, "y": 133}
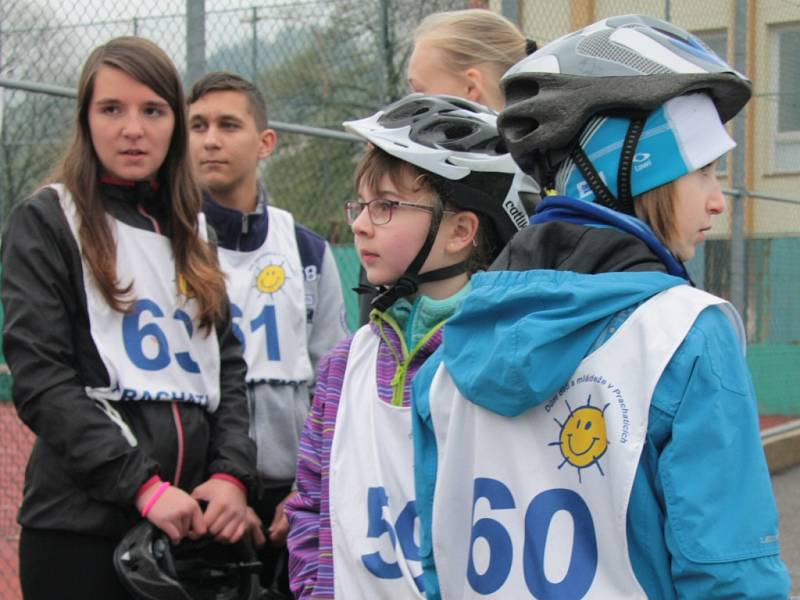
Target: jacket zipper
{"x": 245, "y": 228}
{"x": 176, "y": 415}
{"x": 176, "y": 411}
{"x": 398, "y": 382}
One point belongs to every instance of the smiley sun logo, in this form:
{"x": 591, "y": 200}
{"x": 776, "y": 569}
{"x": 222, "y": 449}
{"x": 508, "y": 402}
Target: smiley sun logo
{"x": 583, "y": 440}
{"x": 270, "y": 279}
{"x": 270, "y": 272}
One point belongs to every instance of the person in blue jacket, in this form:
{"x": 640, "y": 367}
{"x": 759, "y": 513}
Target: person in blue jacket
{"x": 588, "y": 428}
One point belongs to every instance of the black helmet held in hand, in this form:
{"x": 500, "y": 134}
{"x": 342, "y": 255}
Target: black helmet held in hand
{"x": 151, "y": 568}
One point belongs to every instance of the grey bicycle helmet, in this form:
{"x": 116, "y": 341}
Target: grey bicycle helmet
{"x": 620, "y": 66}
{"x": 456, "y": 142}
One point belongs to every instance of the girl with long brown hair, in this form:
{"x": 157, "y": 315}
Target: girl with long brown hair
{"x": 119, "y": 338}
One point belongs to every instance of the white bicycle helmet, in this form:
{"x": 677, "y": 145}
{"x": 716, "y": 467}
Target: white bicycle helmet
{"x": 457, "y": 143}
{"x": 453, "y": 138}
{"x": 625, "y": 66}
{"x": 441, "y": 134}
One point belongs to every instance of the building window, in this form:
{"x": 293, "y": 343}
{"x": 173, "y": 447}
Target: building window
{"x": 717, "y": 40}
{"x": 787, "y": 86}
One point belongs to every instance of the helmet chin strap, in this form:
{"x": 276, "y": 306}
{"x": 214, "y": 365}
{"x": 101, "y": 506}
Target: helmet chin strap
{"x": 624, "y": 201}
{"x": 409, "y": 282}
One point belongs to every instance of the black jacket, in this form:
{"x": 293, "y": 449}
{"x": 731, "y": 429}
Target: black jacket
{"x": 82, "y": 475}
{"x": 580, "y": 248}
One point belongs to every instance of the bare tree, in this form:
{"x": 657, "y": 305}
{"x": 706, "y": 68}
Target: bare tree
{"x": 352, "y": 64}
{"x": 32, "y": 125}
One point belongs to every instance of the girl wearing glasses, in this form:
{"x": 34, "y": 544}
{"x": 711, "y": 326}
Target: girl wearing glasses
{"x": 462, "y": 53}
{"x": 438, "y": 199}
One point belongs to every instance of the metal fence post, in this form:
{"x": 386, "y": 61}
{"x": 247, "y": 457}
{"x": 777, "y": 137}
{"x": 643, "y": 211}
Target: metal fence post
{"x": 195, "y": 40}
{"x": 510, "y": 10}
{"x": 385, "y": 50}
{"x": 3, "y": 207}
{"x": 737, "y": 247}
{"x": 254, "y": 41}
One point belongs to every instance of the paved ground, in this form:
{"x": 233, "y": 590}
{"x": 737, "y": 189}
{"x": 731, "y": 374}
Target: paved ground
{"x": 787, "y": 494}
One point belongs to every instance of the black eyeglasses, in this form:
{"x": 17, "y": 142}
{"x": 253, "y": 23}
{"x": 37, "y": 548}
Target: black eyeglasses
{"x": 380, "y": 209}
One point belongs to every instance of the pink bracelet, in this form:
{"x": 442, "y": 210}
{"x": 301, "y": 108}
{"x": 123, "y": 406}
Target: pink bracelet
{"x": 153, "y": 481}
{"x": 230, "y": 479}
{"x": 154, "y": 498}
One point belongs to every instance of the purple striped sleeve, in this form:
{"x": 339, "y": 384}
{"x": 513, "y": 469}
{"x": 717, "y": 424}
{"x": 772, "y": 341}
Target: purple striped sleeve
{"x": 310, "y": 547}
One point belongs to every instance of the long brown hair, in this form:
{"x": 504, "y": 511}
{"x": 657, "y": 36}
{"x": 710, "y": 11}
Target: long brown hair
{"x": 79, "y": 169}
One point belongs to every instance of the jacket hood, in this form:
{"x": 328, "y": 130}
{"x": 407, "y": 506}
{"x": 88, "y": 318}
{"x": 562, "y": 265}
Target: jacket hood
{"x": 519, "y": 336}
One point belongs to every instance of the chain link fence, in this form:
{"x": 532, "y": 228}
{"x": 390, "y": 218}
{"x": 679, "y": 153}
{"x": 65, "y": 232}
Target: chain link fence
{"x": 320, "y": 62}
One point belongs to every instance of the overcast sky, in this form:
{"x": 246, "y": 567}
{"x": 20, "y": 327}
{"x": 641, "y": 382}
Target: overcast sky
{"x": 83, "y": 24}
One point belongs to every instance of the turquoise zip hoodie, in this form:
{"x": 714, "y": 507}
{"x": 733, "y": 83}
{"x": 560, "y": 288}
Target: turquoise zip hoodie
{"x": 701, "y": 521}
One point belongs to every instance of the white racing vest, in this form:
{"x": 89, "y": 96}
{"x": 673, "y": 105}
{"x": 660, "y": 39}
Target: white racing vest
{"x": 268, "y": 303}
{"x": 535, "y": 506}
{"x": 373, "y": 514}
{"x": 155, "y": 352}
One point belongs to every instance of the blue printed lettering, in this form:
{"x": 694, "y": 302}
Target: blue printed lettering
{"x": 583, "y": 562}
{"x": 538, "y": 517}
{"x": 130, "y": 394}
{"x": 497, "y": 538}
{"x": 266, "y": 319}
{"x": 135, "y": 336}
{"x": 402, "y": 533}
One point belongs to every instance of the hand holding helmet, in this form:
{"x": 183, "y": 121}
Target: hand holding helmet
{"x": 225, "y": 516}
{"x": 173, "y": 511}
{"x": 151, "y": 568}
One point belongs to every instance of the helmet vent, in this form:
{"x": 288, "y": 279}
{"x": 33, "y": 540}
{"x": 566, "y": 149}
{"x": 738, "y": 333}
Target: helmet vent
{"x": 517, "y": 128}
{"x": 403, "y": 115}
{"x": 520, "y": 89}
{"x": 447, "y": 132}
{"x": 598, "y": 45}
{"x": 491, "y": 146}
